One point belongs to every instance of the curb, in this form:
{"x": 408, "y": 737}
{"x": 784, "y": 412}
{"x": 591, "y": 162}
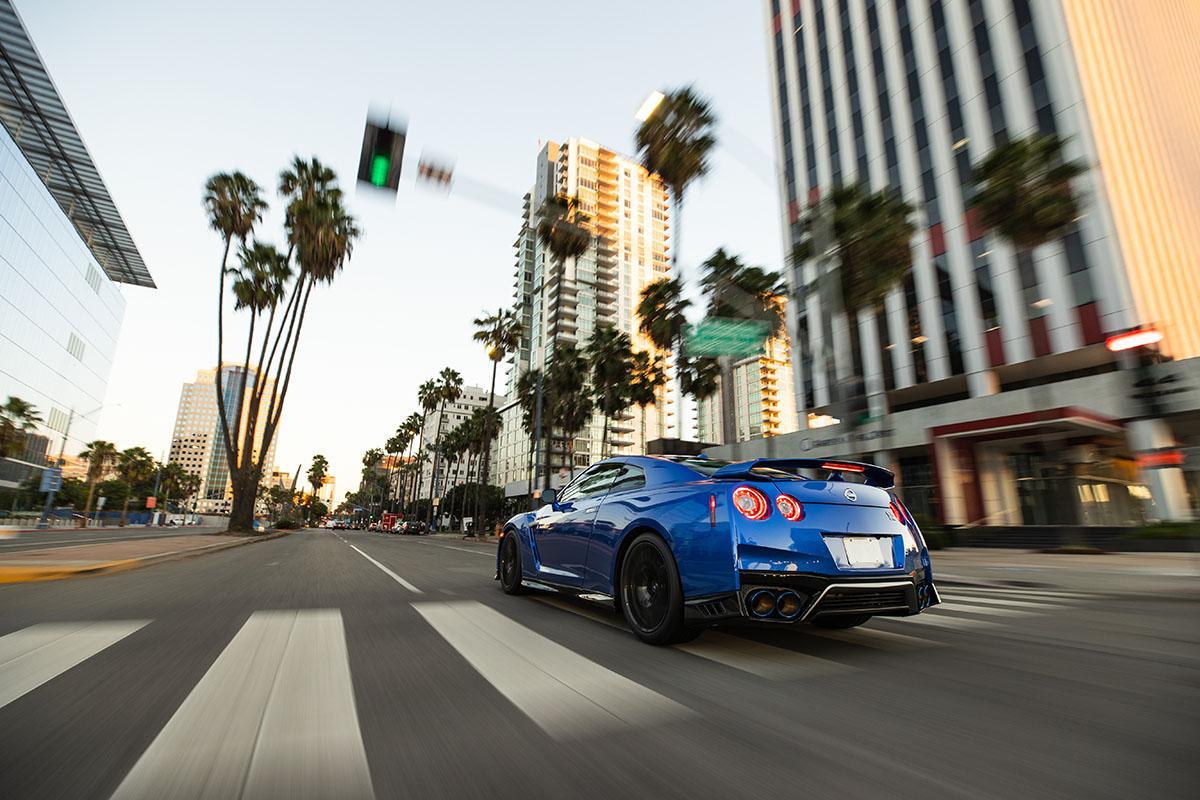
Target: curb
{"x": 30, "y": 574}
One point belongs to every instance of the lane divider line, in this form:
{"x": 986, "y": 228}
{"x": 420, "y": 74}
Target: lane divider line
{"x": 393, "y": 575}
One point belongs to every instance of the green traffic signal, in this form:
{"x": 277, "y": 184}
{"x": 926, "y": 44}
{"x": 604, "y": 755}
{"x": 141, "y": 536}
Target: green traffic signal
{"x": 380, "y": 164}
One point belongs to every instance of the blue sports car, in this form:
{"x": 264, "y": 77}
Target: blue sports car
{"x": 682, "y": 543}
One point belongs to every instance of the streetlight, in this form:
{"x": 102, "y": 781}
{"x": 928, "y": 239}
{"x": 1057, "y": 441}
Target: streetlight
{"x": 649, "y": 106}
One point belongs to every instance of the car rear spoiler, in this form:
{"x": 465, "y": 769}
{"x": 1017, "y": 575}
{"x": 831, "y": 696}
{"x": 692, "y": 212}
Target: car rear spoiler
{"x": 872, "y": 475}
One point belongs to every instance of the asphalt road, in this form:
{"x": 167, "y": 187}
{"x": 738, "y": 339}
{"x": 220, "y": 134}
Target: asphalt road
{"x": 70, "y": 537}
{"x": 359, "y": 665}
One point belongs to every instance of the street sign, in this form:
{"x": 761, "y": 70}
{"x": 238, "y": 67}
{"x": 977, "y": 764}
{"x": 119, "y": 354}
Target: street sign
{"x": 100, "y": 501}
{"x": 51, "y": 479}
{"x": 740, "y": 338}
{"x": 151, "y": 502}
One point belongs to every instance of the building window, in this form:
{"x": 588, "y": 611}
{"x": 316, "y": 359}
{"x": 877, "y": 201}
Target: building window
{"x": 75, "y": 347}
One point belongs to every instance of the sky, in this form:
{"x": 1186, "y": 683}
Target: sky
{"x": 167, "y": 93}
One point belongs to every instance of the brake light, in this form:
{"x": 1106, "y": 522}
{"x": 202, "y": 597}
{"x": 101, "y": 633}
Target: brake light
{"x": 751, "y": 503}
{"x": 834, "y": 466}
{"x": 897, "y": 512}
{"x": 712, "y": 511}
{"x": 790, "y": 507}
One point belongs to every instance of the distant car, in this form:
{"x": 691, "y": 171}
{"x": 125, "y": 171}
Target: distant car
{"x": 681, "y": 544}
{"x": 414, "y": 527}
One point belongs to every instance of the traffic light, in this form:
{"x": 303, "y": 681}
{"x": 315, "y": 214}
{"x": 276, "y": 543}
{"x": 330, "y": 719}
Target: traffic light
{"x": 382, "y": 154}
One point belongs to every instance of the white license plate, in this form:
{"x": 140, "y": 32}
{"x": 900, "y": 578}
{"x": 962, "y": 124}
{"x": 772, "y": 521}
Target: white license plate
{"x": 865, "y": 551}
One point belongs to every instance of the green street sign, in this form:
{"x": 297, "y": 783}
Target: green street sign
{"x": 726, "y": 337}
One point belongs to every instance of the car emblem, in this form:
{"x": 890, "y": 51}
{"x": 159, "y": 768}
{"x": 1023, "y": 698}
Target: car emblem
{"x": 850, "y": 495}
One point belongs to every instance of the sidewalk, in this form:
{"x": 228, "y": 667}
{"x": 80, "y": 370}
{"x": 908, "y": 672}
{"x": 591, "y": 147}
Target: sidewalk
{"x": 1169, "y": 574}
{"x": 89, "y": 559}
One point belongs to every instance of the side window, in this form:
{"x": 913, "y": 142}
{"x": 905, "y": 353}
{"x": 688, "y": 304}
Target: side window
{"x": 594, "y": 481}
{"x": 630, "y": 477}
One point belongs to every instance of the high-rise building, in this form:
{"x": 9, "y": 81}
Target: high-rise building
{"x": 197, "y": 443}
{"x": 764, "y": 401}
{"x": 64, "y": 251}
{"x": 564, "y": 302}
{"x": 439, "y": 423}
{"x": 987, "y": 380}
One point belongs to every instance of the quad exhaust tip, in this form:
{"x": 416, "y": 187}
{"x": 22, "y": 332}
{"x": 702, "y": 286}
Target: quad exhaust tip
{"x": 767, "y": 603}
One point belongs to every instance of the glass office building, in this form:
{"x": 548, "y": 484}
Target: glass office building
{"x": 63, "y": 250}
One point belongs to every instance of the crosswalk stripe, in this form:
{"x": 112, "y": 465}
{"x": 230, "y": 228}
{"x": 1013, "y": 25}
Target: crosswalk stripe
{"x": 565, "y": 694}
{"x": 944, "y": 621}
{"x": 874, "y": 637}
{"x": 1021, "y": 594}
{"x": 274, "y": 716}
{"x": 954, "y": 599}
{"x": 951, "y": 607}
{"x": 34, "y": 655}
{"x": 605, "y": 617}
{"x": 763, "y": 660}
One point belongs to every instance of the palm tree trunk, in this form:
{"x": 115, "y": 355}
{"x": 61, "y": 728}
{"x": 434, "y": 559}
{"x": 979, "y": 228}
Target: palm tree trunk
{"x": 242, "y": 407}
{"x": 603, "y": 439}
{"x": 437, "y": 458}
{"x": 230, "y": 454}
{"x": 728, "y": 401}
{"x": 485, "y": 475}
{"x": 125, "y": 508}
{"x": 87, "y": 505}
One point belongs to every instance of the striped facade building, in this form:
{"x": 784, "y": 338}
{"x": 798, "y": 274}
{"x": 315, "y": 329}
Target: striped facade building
{"x": 988, "y": 384}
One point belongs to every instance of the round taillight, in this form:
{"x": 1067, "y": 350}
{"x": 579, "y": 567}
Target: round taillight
{"x": 790, "y": 507}
{"x": 751, "y": 503}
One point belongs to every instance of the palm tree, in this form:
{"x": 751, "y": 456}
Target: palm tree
{"x": 449, "y": 390}
{"x": 563, "y": 228}
{"x": 135, "y": 465}
{"x": 570, "y": 405}
{"x": 483, "y": 430}
{"x": 428, "y": 395}
{"x": 674, "y": 142}
{"x": 17, "y": 418}
{"x": 663, "y": 320}
{"x": 736, "y": 291}
{"x": 235, "y": 205}
{"x": 316, "y": 474}
{"x": 321, "y": 237}
{"x": 501, "y": 333}
{"x": 868, "y": 237}
{"x": 529, "y": 384}
{"x": 98, "y": 455}
{"x": 1024, "y": 192}
{"x": 412, "y": 426}
{"x": 609, "y": 355}
{"x": 646, "y": 379}
{"x": 370, "y": 461}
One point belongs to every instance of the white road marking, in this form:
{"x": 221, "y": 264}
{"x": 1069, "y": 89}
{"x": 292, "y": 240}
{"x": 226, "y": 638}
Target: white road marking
{"x": 1047, "y": 605}
{"x": 566, "y": 695}
{"x": 393, "y": 575}
{"x": 874, "y": 637}
{"x": 1021, "y": 594}
{"x": 274, "y": 716}
{"x": 605, "y": 617}
{"x": 960, "y": 607}
{"x": 763, "y": 660}
{"x": 944, "y": 621}
{"x": 34, "y": 655}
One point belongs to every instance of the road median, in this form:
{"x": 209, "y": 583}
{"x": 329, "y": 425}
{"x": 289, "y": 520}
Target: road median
{"x": 93, "y": 559}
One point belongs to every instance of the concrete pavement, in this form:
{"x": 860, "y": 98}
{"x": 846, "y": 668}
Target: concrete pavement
{"x": 360, "y": 665}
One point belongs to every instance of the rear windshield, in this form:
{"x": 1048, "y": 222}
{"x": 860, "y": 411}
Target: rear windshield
{"x": 705, "y": 466}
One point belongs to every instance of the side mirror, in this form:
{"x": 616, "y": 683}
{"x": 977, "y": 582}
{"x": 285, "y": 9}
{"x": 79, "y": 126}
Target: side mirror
{"x": 549, "y": 497}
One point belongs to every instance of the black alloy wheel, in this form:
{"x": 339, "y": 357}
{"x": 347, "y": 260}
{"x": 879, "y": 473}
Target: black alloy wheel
{"x": 510, "y": 564}
{"x": 651, "y": 597}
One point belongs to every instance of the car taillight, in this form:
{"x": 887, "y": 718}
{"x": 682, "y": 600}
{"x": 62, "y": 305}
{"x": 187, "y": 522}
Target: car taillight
{"x": 751, "y": 503}
{"x": 897, "y": 512}
{"x": 790, "y": 507}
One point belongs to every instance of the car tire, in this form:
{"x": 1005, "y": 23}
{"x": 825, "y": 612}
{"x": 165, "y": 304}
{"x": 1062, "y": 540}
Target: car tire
{"x": 650, "y": 595}
{"x": 840, "y": 621}
{"x": 510, "y": 565}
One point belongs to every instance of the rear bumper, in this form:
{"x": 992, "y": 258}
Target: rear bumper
{"x": 820, "y": 595}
